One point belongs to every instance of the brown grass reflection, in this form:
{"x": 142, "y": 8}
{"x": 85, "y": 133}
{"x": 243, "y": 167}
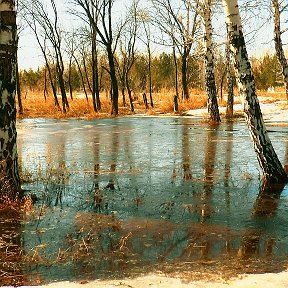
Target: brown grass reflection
{"x": 265, "y": 207}
{"x": 11, "y": 256}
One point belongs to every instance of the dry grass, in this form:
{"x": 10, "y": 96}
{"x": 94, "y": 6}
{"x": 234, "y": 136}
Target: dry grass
{"x": 278, "y": 94}
{"x": 34, "y": 105}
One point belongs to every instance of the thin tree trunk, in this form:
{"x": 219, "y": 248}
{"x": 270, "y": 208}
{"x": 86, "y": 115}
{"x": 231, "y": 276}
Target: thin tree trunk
{"x": 53, "y": 86}
{"x": 20, "y": 106}
{"x": 60, "y": 73}
{"x": 150, "y": 76}
{"x": 82, "y": 78}
{"x": 97, "y": 87}
{"x": 129, "y": 93}
{"x": 145, "y": 101}
{"x": 114, "y": 82}
{"x": 95, "y": 77}
{"x": 184, "y": 67}
{"x": 272, "y": 169}
{"x": 49, "y": 71}
{"x": 45, "y": 83}
{"x": 9, "y": 173}
{"x": 230, "y": 86}
{"x": 65, "y": 104}
{"x": 176, "y": 72}
{"x": 212, "y": 104}
{"x": 69, "y": 79}
{"x": 123, "y": 96}
{"x": 93, "y": 52}
{"x": 86, "y": 74}
{"x": 278, "y": 44}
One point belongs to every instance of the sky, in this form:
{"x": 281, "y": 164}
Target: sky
{"x": 30, "y": 55}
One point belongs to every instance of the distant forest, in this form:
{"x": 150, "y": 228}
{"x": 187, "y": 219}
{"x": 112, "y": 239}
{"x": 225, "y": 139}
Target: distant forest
{"x": 266, "y": 70}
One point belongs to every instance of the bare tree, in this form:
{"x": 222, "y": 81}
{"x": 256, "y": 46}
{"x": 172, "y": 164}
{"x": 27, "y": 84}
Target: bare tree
{"x": 145, "y": 19}
{"x": 128, "y": 41}
{"x": 54, "y": 35}
{"x": 267, "y": 157}
{"x": 75, "y": 49}
{"x": 9, "y": 173}
{"x": 181, "y": 25}
{"x": 103, "y": 27}
{"x": 37, "y": 17}
{"x": 31, "y": 22}
{"x": 89, "y": 61}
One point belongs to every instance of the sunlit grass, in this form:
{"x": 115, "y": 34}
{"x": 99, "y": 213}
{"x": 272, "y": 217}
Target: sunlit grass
{"x": 35, "y": 105}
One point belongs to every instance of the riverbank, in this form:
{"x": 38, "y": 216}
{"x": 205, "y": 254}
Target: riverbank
{"x": 270, "y": 280}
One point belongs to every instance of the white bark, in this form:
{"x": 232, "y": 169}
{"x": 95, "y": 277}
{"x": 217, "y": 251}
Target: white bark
{"x": 209, "y": 63}
{"x": 268, "y": 160}
{"x": 9, "y": 178}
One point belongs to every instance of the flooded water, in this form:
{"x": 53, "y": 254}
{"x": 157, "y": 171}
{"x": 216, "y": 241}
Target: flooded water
{"x": 124, "y": 196}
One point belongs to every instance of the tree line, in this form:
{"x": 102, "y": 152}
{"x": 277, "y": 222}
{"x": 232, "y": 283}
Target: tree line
{"x": 266, "y": 70}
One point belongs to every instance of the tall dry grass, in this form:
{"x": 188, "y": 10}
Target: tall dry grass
{"x": 34, "y": 104}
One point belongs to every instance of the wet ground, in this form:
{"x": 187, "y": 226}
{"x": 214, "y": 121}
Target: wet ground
{"x": 126, "y": 196}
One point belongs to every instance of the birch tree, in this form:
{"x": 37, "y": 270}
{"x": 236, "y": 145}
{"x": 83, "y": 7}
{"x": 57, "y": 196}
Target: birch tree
{"x": 204, "y": 8}
{"x": 230, "y": 85}
{"x": 273, "y": 171}
{"x": 9, "y": 174}
{"x": 277, "y": 10}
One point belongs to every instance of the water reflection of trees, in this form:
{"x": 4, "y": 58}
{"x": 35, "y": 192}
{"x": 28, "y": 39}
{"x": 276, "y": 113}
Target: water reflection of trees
{"x": 265, "y": 207}
{"x": 103, "y": 242}
{"x": 114, "y": 156}
{"x": 187, "y": 174}
{"x": 57, "y": 176}
{"x": 228, "y": 159}
{"x": 204, "y": 206}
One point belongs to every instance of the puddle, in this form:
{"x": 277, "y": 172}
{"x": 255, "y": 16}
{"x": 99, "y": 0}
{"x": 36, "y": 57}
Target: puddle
{"x": 130, "y": 195}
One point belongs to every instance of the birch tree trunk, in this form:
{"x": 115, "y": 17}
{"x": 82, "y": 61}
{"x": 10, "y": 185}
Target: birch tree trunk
{"x": 230, "y": 86}
{"x": 212, "y": 104}
{"x": 184, "y": 68}
{"x": 278, "y": 44}
{"x": 9, "y": 174}
{"x": 273, "y": 171}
